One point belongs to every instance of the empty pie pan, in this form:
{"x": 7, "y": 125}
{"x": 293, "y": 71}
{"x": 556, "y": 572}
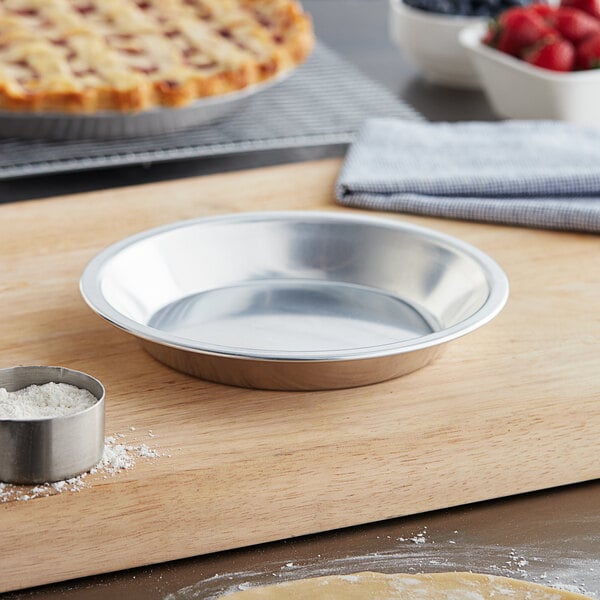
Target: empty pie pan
{"x": 113, "y": 124}
{"x": 294, "y": 300}
{"x": 51, "y": 448}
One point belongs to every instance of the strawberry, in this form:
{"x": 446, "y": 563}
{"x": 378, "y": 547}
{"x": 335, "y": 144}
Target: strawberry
{"x": 506, "y": 17}
{"x": 592, "y": 7}
{"x": 489, "y": 39}
{"x": 574, "y": 24}
{"x": 556, "y": 55}
{"x": 588, "y": 52}
{"x": 519, "y": 29}
{"x": 491, "y": 35}
{"x": 544, "y": 10}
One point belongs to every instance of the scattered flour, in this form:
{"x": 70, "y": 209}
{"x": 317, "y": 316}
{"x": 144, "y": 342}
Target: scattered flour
{"x": 147, "y": 453}
{"x": 43, "y": 401}
{"x": 419, "y": 538}
{"x": 117, "y": 457}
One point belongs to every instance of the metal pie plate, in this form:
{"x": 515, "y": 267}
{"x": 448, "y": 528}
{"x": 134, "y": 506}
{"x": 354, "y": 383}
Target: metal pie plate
{"x": 294, "y": 300}
{"x": 113, "y": 124}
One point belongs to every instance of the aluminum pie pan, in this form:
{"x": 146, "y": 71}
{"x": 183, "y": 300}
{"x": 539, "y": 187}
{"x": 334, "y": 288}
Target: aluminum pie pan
{"x": 296, "y": 300}
{"x": 115, "y": 125}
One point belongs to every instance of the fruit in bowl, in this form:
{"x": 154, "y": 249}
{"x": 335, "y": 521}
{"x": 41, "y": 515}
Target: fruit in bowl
{"x": 539, "y": 62}
{"x": 559, "y": 38}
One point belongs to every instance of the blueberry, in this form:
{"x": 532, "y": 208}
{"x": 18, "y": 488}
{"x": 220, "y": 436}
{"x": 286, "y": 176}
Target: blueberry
{"x": 479, "y": 8}
{"x": 463, "y": 7}
{"x": 421, "y": 4}
{"x": 445, "y": 7}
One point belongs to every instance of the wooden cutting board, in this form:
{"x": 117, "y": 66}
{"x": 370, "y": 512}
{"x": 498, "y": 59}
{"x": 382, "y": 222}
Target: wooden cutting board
{"x": 511, "y": 408}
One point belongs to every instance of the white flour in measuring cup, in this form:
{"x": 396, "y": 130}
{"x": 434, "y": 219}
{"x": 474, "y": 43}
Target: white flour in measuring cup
{"x": 44, "y": 401}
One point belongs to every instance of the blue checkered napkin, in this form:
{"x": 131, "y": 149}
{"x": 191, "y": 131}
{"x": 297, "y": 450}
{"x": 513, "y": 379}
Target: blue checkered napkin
{"x": 542, "y": 174}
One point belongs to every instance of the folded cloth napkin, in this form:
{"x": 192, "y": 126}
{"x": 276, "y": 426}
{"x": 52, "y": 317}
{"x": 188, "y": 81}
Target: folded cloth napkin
{"x": 542, "y": 174}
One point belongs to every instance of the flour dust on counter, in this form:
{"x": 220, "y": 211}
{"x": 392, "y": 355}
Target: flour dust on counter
{"x": 118, "y": 456}
{"x": 564, "y": 570}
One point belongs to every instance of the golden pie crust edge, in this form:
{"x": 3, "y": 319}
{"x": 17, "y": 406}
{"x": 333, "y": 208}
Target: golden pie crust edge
{"x": 298, "y": 43}
{"x": 435, "y": 586}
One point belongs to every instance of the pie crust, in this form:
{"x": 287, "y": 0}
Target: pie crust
{"x": 85, "y": 56}
{"x": 433, "y": 586}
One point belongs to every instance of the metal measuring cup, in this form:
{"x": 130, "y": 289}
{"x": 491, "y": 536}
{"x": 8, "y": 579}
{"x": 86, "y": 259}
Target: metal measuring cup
{"x": 50, "y": 448}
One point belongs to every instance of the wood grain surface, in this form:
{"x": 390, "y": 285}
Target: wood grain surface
{"x": 510, "y": 408}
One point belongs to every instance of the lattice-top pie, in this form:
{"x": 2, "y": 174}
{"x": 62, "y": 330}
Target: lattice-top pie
{"x": 82, "y": 56}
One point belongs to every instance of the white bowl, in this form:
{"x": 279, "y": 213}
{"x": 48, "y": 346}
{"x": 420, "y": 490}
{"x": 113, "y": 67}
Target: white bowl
{"x": 518, "y": 90}
{"x": 430, "y": 40}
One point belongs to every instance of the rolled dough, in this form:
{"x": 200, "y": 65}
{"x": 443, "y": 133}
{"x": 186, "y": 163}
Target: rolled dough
{"x": 379, "y": 586}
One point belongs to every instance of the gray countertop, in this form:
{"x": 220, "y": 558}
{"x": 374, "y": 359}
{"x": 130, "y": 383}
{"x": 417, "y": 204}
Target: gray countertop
{"x": 550, "y": 537}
